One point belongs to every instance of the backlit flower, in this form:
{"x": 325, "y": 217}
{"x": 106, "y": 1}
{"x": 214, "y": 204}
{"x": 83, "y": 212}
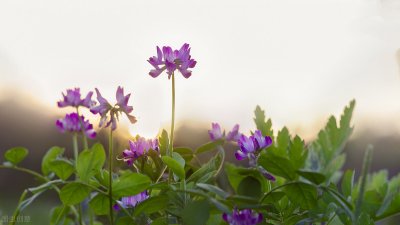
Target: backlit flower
{"x": 72, "y": 123}
{"x": 172, "y": 60}
{"x": 215, "y": 132}
{"x": 112, "y": 113}
{"x": 243, "y": 217}
{"x": 261, "y": 141}
{"x": 250, "y": 145}
{"x": 139, "y": 148}
{"x": 73, "y": 98}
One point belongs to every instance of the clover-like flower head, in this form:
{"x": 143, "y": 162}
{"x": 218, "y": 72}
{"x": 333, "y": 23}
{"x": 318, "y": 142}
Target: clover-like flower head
{"x": 172, "y": 60}
{"x": 72, "y": 123}
{"x": 73, "y": 98}
{"x": 243, "y": 217}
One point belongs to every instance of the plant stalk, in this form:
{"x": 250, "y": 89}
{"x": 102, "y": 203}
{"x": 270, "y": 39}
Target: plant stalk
{"x": 110, "y": 168}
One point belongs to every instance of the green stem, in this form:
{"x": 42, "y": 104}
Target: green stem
{"x": 110, "y": 168}
{"x": 171, "y": 139}
{"x": 363, "y": 182}
{"x": 16, "y": 212}
{"x": 85, "y": 143}
{"x": 75, "y": 147}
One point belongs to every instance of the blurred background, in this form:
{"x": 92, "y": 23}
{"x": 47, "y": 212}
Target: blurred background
{"x": 301, "y": 61}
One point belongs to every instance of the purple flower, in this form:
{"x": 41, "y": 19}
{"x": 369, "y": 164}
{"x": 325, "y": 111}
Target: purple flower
{"x": 215, "y": 132}
{"x": 234, "y": 134}
{"x": 72, "y": 123}
{"x": 139, "y": 148}
{"x": 172, "y": 60}
{"x": 104, "y": 108}
{"x": 73, "y": 98}
{"x": 260, "y": 141}
{"x": 131, "y": 201}
{"x": 243, "y": 217}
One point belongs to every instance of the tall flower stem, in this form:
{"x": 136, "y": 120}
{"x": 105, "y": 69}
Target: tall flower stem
{"x": 85, "y": 143}
{"x": 110, "y": 169}
{"x": 75, "y": 146}
{"x": 171, "y": 140}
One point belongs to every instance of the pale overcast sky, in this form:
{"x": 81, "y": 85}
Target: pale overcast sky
{"x": 301, "y": 60}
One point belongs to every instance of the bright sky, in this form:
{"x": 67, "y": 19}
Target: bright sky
{"x": 300, "y": 60}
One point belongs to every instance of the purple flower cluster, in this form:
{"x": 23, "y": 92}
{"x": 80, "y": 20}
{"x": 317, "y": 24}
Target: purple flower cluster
{"x": 131, "y": 201}
{"x": 172, "y": 60}
{"x": 249, "y": 145}
{"x": 73, "y": 98}
{"x": 104, "y": 108}
{"x": 243, "y": 217}
{"x": 216, "y": 133}
{"x": 139, "y": 148}
{"x": 72, "y": 123}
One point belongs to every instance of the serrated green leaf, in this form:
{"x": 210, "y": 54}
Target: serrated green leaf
{"x": 277, "y": 165}
{"x": 315, "y": 177}
{"x": 264, "y": 126}
{"x": 90, "y": 162}
{"x": 196, "y": 213}
{"x": 62, "y": 168}
{"x": 297, "y": 153}
{"x": 303, "y": 194}
{"x": 100, "y": 204}
{"x": 175, "y": 166}
{"x": 130, "y": 184}
{"x": 50, "y": 155}
{"x": 74, "y": 193}
{"x": 16, "y": 155}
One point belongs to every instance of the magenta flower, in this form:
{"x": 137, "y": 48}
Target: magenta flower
{"x": 216, "y": 133}
{"x": 104, "y": 108}
{"x": 172, "y": 60}
{"x": 260, "y": 141}
{"x": 131, "y": 201}
{"x": 72, "y": 123}
{"x": 73, "y": 98}
{"x": 234, "y": 134}
{"x": 243, "y": 217}
{"x": 139, "y": 148}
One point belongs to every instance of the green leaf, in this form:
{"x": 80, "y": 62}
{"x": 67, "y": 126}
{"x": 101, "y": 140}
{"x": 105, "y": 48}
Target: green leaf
{"x": 164, "y": 142}
{"x": 315, "y": 177}
{"x": 274, "y": 197}
{"x": 209, "y": 146}
{"x": 250, "y": 186}
{"x": 50, "y": 155}
{"x": 100, "y": 204}
{"x": 175, "y": 166}
{"x": 130, "y": 184}
{"x": 264, "y": 126}
{"x": 282, "y": 143}
{"x": 16, "y": 155}
{"x": 348, "y": 183}
{"x": 159, "y": 221}
{"x": 277, "y": 165}
{"x": 152, "y": 205}
{"x": 297, "y": 153}
{"x": 237, "y": 174}
{"x": 90, "y": 162}
{"x": 186, "y": 153}
{"x": 58, "y": 214}
{"x": 62, "y": 168}
{"x": 74, "y": 193}
{"x": 126, "y": 220}
{"x": 303, "y": 194}
{"x": 213, "y": 189}
{"x": 205, "y": 173}
{"x": 196, "y": 213}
